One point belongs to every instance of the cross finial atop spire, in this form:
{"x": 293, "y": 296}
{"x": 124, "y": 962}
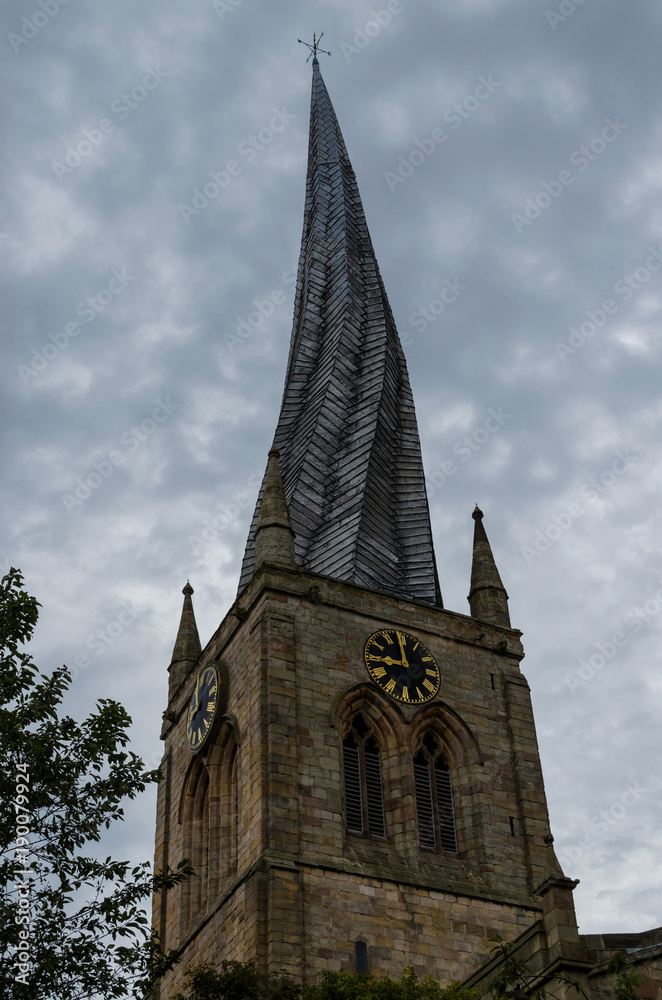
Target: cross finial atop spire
{"x": 314, "y": 48}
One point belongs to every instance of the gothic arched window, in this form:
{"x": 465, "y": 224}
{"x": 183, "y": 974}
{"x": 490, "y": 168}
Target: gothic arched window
{"x": 209, "y": 814}
{"x": 196, "y": 840}
{"x": 223, "y": 820}
{"x": 228, "y": 840}
{"x": 434, "y": 797}
{"x": 364, "y": 797}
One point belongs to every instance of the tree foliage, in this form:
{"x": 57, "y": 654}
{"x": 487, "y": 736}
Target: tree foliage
{"x": 516, "y": 979}
{"x": 241, "y": 981}
{"x": 626, "y": 978}
{"x": 79, "y": 920}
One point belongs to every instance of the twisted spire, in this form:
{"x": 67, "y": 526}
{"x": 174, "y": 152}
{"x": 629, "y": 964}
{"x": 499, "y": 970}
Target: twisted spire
{"x": 350, "y": 455}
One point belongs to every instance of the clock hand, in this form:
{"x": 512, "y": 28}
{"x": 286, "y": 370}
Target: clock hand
{"x": 388, "y": 660}
{"x": 402, "y": 650}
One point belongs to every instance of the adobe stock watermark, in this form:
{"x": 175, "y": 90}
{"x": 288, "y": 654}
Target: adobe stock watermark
{"x": 103, "y": 638}
{"x": 566, "y": 9}
{"x": 455, "y": 117}
{"x": 580, "y": 158}
{"x": 593, "y": 490}
{"x": 596, "y": 319}
{"x": 379, "y": 19}
{"x": 122, "y": 107}
{"x": 103, "y": 469}
{"x": 87, "y": 310}
{"x": 154, "y": 761}
{"x": 602, "y": 823}
{"x": 223, "y": 7}
{"x": 22, "y": 868}
{"x": 264, "y": 308}
{"x": 422, "y": 317}
{"x": 633, "y": 622}
{"x": 248, "y": 149}
{"x": 31, "y": 26}
{"x": 213, "y": 527}
{"x": 466, "y": 447}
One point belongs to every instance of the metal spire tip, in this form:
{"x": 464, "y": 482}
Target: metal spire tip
{"x": 314, "y": 48}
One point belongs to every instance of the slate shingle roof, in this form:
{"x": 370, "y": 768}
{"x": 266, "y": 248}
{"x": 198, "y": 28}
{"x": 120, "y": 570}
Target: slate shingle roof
{"x": 350, "y": 454}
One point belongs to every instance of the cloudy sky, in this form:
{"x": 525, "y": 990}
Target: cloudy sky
{"x": 507, "y": 150}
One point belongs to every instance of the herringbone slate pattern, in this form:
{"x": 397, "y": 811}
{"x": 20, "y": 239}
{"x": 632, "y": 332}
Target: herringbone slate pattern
{"x": 350, "y": 454}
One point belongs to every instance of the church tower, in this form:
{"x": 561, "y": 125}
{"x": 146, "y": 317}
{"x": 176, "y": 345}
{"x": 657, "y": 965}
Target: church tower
{"x": 351, "y": 768}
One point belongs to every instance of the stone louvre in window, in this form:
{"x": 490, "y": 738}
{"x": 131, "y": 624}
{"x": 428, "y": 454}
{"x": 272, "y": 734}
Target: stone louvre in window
{"x": 434, "y": 798}
{"x": 364, "y": 796}
{"x": 353, "y": 806}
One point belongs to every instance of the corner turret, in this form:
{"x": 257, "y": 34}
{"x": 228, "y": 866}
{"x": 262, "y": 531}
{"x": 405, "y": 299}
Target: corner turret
{"x": 274, "y": 535}
{"x": 187, "y": 644}
{"x": 488, "y": 599}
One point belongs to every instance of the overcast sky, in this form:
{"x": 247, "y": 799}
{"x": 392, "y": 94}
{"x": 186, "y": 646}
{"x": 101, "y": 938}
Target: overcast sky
{"x": 507, "y": 152}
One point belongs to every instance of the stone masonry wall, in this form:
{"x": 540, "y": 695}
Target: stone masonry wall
{"x": 304, "y": 890}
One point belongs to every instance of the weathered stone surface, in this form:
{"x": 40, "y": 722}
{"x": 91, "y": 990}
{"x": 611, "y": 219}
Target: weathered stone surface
{"x": 488, "y": 599}
{"x": 304, "y": 890}
{"x": 187, "y": 644}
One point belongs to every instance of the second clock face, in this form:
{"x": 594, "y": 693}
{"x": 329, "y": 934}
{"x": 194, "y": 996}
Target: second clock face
{"x": 402, "y": 666}
{"x": 202, "y": 707}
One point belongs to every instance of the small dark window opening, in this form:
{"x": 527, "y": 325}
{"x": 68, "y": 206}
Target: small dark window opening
{"x": 364, "y": 796}
{"x": 492, "y": 680}
{"x": 361, "y": 952}
{"x": 434, "y": 798}
{"x": 512, "y": 825}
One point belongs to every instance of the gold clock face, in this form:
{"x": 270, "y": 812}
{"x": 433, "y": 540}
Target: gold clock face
{"x": 202, "y": 707}
{"x": 402, "y": 666}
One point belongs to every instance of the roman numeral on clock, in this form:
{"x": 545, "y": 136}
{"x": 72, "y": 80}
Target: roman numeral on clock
{"x": 400, "y": 665}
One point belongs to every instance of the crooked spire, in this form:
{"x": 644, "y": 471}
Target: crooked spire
{"x": 488, "y": 600}
{"x": 350, "y": 455}
{"x": 187, "y": 644}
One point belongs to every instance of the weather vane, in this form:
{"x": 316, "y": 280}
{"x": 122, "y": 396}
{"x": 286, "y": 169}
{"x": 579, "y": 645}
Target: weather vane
{"x": 314, "y": 48}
